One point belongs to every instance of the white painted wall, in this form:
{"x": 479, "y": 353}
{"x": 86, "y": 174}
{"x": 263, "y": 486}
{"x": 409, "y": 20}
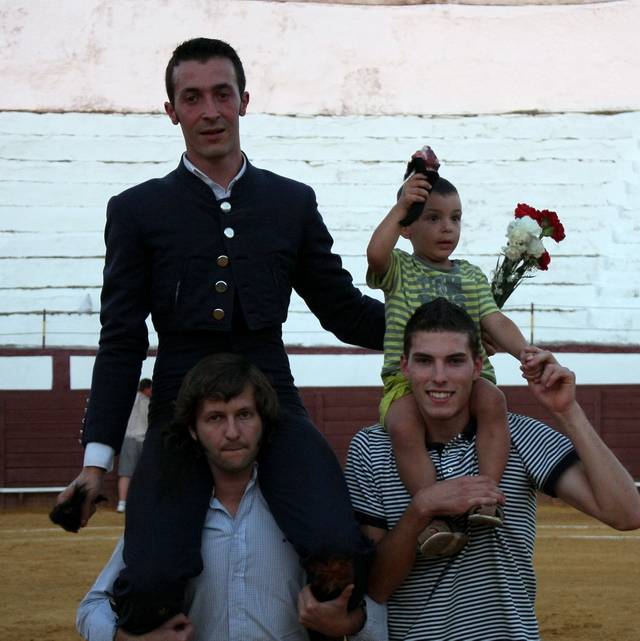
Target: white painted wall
{"x": 26, "y": 372}
{"x": 54, "y": 185}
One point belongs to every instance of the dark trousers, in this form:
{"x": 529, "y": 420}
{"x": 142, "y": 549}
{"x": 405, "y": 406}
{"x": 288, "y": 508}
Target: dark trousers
{"x": 299, "y": 476}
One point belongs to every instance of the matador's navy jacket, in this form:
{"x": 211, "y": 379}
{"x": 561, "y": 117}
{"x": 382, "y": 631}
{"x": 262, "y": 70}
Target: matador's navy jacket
{"x": 195, "y": 263}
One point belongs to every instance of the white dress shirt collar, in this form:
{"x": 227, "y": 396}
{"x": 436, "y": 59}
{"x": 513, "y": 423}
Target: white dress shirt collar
{"x": 219, "y": 191}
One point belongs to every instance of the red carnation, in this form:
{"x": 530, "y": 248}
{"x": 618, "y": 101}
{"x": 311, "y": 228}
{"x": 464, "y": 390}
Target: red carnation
{"x": 523, "y": 261}
{"x": 548, "y": 221}
{"x": 523, "y": 210}
{"x": 551, "y": 222}
{"x": 543, "y": 262}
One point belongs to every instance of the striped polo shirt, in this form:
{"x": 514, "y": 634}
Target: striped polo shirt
{"x": 412, "y": 281}
{"x": 487, "y": 591}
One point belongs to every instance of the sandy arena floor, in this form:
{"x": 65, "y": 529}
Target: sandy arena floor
{"x": 589, "y": 575}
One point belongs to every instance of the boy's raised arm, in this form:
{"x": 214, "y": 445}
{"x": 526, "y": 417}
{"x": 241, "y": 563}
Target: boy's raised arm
{"x": 504, "y": 332}
{"x": 386, "y": 235}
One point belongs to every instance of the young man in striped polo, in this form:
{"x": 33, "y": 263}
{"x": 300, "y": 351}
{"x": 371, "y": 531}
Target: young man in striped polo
{"x": 486, "y": 592}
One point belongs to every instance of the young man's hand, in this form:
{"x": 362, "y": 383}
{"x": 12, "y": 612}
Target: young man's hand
{"x": 89, "y": 482}
{"x": 179, "y": 628}
{"x": 555, "y": 387}
{"x": 533, "y": 361}
{"x": 330, "y": 617}
{"x": 457, "y": 496}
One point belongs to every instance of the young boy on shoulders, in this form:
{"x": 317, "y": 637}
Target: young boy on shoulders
{"x": 408, "y": 281}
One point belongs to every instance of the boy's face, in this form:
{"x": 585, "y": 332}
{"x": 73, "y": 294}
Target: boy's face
{"x": 436, "y": 233}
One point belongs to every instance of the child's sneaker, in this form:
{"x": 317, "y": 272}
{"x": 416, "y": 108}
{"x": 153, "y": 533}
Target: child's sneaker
{"x": 491, "y": 515}
{"x": 121, "y": 506}
{"x": 441, "y": 538}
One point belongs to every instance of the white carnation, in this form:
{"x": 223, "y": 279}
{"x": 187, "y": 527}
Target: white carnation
{"x": 535, "y": 248}
{"x": 521, "y": 230}
{"x": 513, "y": 252}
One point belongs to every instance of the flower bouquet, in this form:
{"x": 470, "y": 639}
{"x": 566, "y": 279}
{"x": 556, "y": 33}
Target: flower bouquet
{"x": 524, "y": 253}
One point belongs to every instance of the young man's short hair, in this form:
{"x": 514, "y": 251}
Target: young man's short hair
{"x": 220, "y": 377}
{"x": 144, "y": 384}
{"x": 203, "y": 50}
{"x": 440, "y": 315}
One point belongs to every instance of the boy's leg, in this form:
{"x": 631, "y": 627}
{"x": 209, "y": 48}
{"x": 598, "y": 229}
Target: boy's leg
{"x": 304, "y": 486}
{"x": 166, "y": 507}
{"x": 493, "y": 438}
{"x": 406, "y": 429}
{"x": 300, "y": 475}
{"x": 405, "y": 425}
{"x": 493, "y": 441}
